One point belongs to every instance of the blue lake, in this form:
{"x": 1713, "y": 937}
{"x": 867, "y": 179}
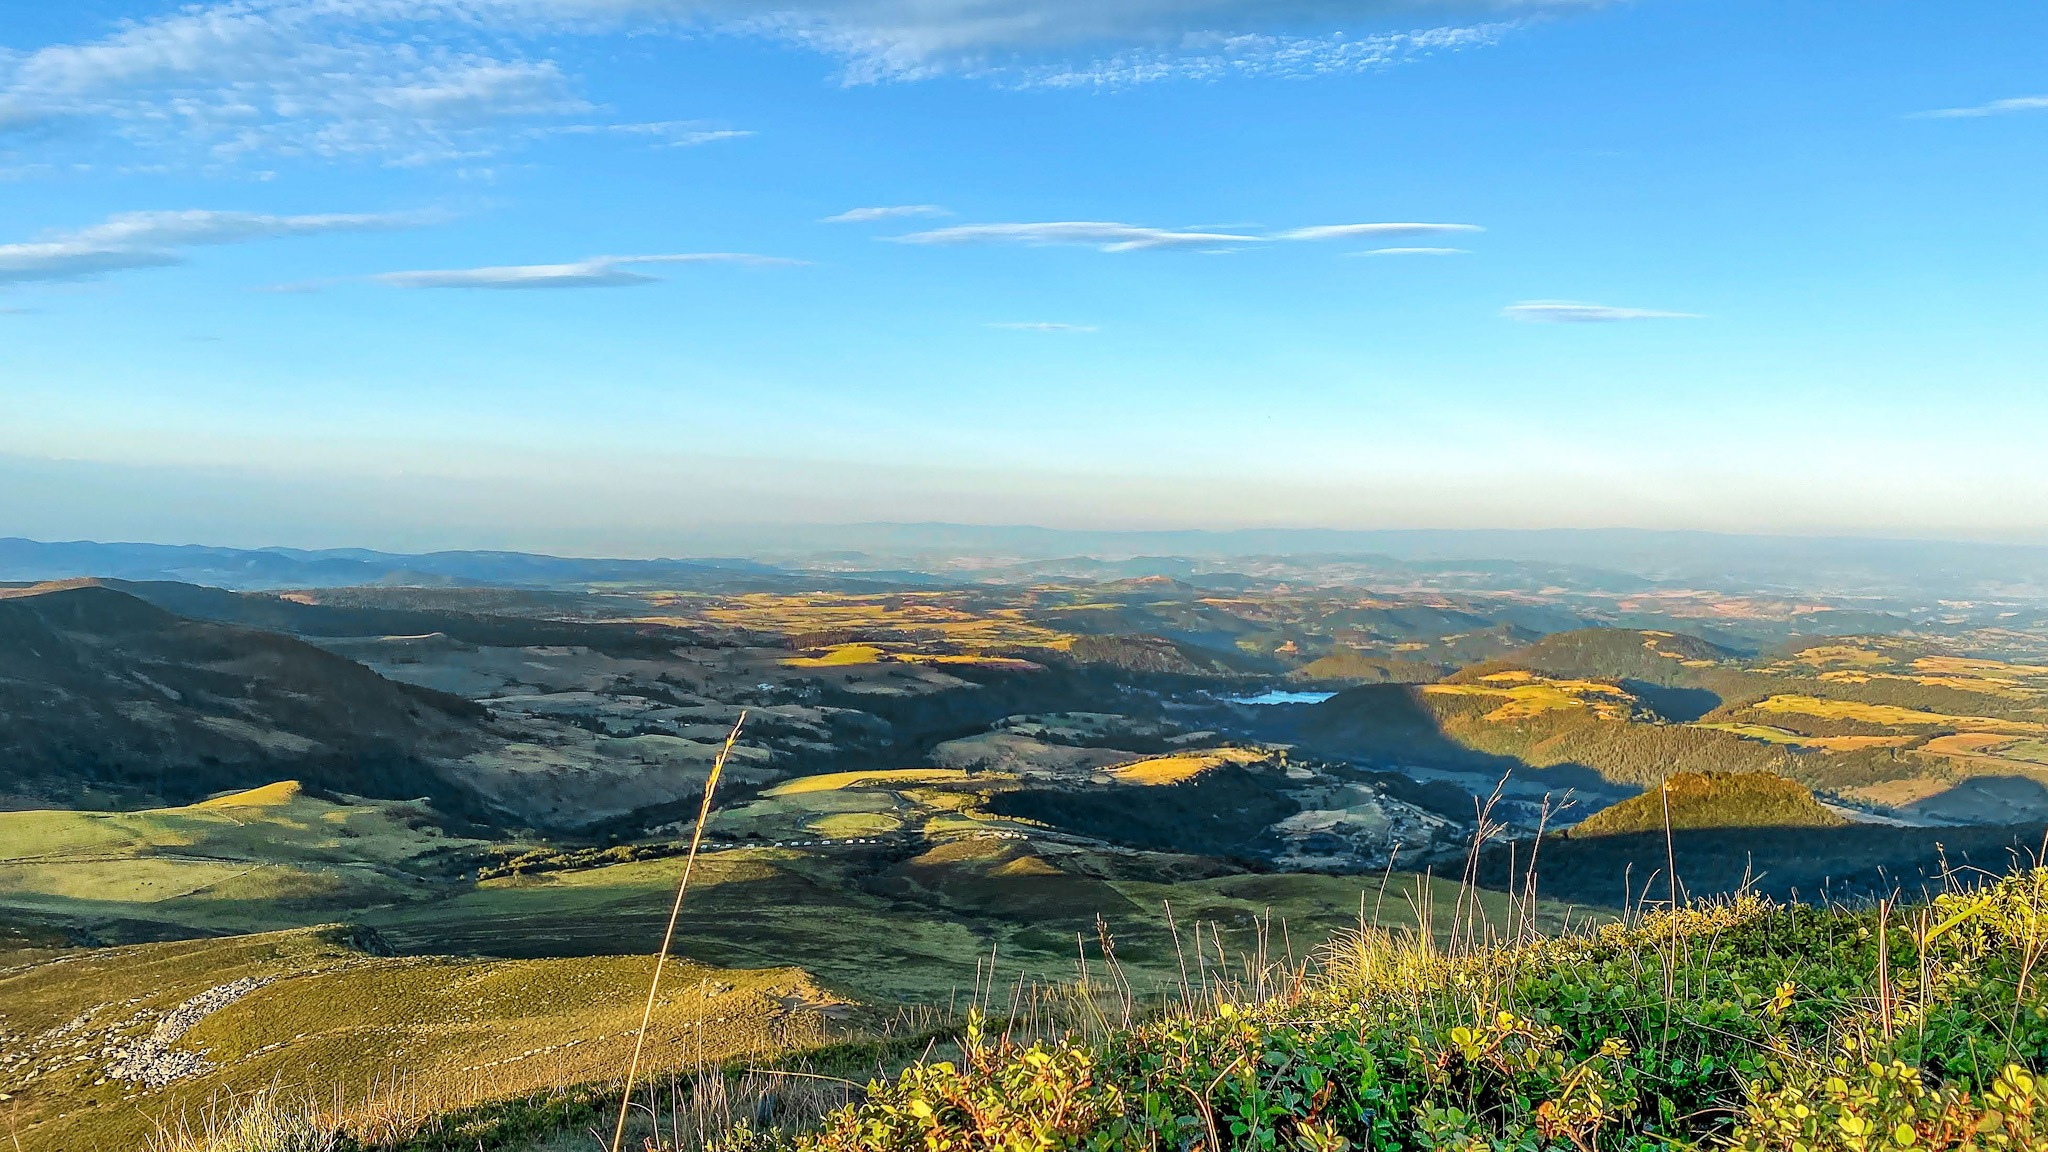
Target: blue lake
{"x": 1276, "y": 696}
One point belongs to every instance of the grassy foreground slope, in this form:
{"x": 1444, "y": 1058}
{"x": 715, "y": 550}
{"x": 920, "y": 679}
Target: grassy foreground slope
{"x": 1740, "y": 1025}
{"x": 884, "y": 884}
{"x": 101, "y": 1045}
{"x": 886, "y": 927}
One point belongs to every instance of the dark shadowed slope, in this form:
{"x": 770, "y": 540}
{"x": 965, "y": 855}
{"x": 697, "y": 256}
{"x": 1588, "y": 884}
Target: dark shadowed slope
{"x": 101, "y": 690}
{"x": 279, "y": 614}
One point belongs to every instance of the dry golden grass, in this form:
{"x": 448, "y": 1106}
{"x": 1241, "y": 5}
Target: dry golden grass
{"x": 1989, "y": 753}
{"x": 1855, "y": 743}
{"x": 1772, "y": 735}
{"x": 1898, "y": 793}
{"x": 1967, "y": 743}
{"x": 1523, "y": 695}
{"x": 832, "y": 781}
{"x": 271, "y": 857}
{"x": 1183, "y": 766}
{"x": 1979, "y": 669}
{"x": 1842, "y": 655}
{"x": 1988, "y": 677}
{"x": 837, "y": 656}
{"x": 375, "y": 1039}
{"x": 2004, "y": 689}
{"x": 1011, "y": 663}
{"x": 953, "y": 616}
{"x": 1891, "y": 715}
{"x": 268, "y": 796}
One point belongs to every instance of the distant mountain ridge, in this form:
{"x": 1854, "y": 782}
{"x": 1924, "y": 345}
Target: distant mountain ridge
{"x": 294, "y": 617}
{"x": 1638, "y": 550}
{"x": 32, "y": 561}
{"x": 1617, "y": 560}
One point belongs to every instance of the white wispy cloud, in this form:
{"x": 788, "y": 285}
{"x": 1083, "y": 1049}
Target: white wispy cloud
{"x": 21, "y": 263}
{"x": 1114, "y": 237}
{"x": 153, "y": 239}
{"x": 1218, "y": 56}
{"x": 1413, "y": 252}
{"x": 1041, "y": 326}
{"x": 1994, "y": 108}
{"x": 1372, "y": 231}
{"x": 319, "y": 78}
{"x": 1108, "y": 236}
{"x": 590, "y": 272}
{"x": 662, "y": 133}
{"x": 180, "y": 228}
{"x": 414, "y": 81}
{"x": 1036, "y": 42}
{"x": 1576, "y": 312}
{"x": 891, "y": 212}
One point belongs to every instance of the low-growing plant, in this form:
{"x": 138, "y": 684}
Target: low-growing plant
{"x": 1739, "y": 1024}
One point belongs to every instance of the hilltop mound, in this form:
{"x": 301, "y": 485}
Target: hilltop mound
{"x": 276, "y": 795}
{"x": 1490, "y": 721}
{"x": 1617, "y": 654}
{"x": 99, "y": 689}
{"x": 1221, "y": 803}
{"x": 274, "y": 856}
{"x": 1858, "y": 651}
{"x": 1389, "y": 721}
{"x": 1355, "y": 667}
{"x": 1139, "y": 653}
{"x": 1714, "y": 800}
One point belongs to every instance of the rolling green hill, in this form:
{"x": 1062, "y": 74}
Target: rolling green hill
{"x": 470, "y": 992}
{"x": 1664, "y": 658}
{"x": 1882, "y": 721}
{"x": 1512, "y": 719}
{"x": 271, "y": 857}
{"x": 1692, "y": 800}
{"x": 1349, "y": 666}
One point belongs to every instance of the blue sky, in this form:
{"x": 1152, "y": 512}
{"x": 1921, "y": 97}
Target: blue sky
{"x": 562, "y": 274}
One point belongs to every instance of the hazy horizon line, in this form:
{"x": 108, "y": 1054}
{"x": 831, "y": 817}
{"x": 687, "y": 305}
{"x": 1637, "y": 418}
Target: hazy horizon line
{"x": 790, "y": 535}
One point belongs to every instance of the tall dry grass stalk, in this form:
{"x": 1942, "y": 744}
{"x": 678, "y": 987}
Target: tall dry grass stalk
{"x": 267, "y": 1120}
{"x": 669, "y": 934}
{"x": 711, "y": 1107}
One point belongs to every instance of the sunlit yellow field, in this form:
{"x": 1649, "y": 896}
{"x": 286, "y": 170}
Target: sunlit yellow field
{"x": 1890, "y": 715}
{"x": 1523, "y": 695}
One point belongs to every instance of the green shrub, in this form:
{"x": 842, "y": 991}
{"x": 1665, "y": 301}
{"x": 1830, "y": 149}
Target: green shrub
{"x": 1870, "y": 1106}
{"x": 1741, "y": 1024}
